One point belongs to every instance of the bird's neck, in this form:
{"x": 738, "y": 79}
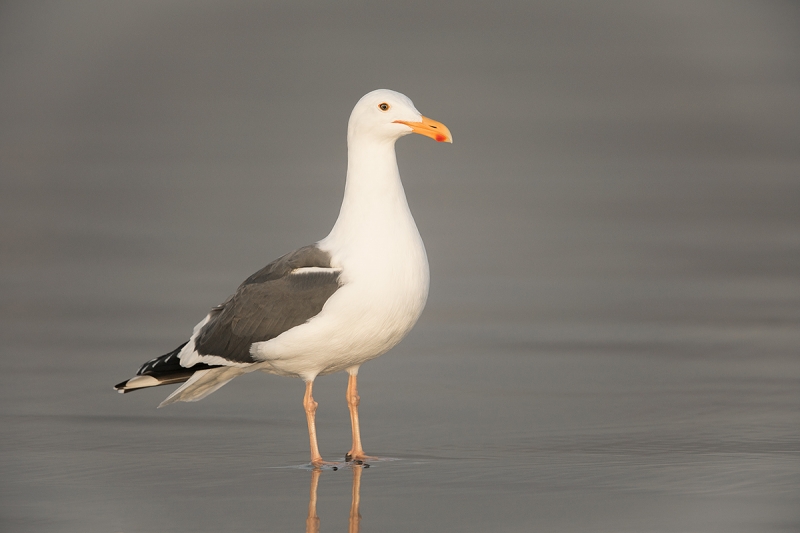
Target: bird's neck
{"x": 374, "y": 205}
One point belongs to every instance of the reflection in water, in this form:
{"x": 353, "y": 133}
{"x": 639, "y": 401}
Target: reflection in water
{"x": 312, "y": 522}
{"x": 355, "y": 515}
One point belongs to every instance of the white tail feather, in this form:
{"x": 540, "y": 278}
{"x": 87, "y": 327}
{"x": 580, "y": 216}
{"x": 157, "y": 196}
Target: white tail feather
{"x": 202, "y": 383}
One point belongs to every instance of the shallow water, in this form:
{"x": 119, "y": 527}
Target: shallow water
{"x": 611, "y": 341}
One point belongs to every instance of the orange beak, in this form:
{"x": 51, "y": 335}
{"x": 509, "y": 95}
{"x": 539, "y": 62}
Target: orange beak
{"x": 429, "y": 128}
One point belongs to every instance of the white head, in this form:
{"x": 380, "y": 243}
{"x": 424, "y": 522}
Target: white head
{"x": 388, "y": 115}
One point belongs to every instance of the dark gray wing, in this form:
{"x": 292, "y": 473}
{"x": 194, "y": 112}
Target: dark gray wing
{"x": 268, "y": 303}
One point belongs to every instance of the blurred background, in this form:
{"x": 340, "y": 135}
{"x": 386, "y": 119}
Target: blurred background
{"x": 611, "y": 339}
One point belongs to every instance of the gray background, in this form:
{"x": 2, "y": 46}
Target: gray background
{"x": 611, "y": 338}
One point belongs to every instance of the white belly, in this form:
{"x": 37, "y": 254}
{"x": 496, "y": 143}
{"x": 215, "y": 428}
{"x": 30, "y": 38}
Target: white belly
{"x": 378, "y": 304}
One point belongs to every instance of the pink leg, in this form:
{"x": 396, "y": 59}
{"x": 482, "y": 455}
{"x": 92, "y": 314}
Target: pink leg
{"x": 311, "y": 409}
{"x": 356, "y": 453}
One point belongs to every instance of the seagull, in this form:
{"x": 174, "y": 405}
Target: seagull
{"x": 328, "y": 307}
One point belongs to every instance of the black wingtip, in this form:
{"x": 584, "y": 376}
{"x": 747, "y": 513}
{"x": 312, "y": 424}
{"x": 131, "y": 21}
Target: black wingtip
{"x": 123, "y": 388}
{"x": 164, "y": 370}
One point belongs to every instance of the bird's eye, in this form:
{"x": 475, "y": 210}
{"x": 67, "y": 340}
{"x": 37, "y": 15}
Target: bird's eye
{"x": 383, "y": 106}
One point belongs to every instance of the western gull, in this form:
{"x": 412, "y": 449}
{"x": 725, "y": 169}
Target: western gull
{"x": 330, "y": 306}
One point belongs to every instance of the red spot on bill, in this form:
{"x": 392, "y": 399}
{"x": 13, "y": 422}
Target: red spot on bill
{"x": 440, "y": 138}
